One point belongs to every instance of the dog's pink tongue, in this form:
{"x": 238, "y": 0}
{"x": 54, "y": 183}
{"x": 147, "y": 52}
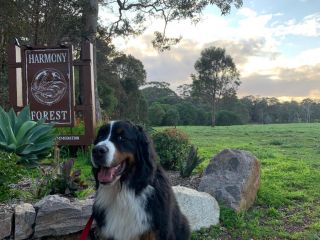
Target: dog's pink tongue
{"x": 106, "y": 175}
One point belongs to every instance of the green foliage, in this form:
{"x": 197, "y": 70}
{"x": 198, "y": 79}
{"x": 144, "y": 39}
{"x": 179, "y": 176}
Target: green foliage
{"x": 156, "y": 114}
{"x": 67, "y": 182}
{"x": 28, "y": 139}
{"x": 10, "y": 172}
{"x": 172, "y": 146}
{"x": 190, "y": 163}
{"x": 78, "y": 128}
{"x": 171, "y": 117}
{"x": 227, "y": 118}
{"x": 211, "y": 233}
{"x": 160, "y": 92}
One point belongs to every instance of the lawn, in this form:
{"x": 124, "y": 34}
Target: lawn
{"x": 288, "y": 201}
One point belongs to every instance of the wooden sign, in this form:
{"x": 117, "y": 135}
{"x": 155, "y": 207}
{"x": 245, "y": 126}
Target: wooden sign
{"x": 49, "y": 85}
{"x": 43, "y": 78}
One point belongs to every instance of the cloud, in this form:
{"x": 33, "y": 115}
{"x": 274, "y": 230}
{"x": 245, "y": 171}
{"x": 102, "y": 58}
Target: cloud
{"x": 295, "y": 82}
{"x": 241, "y": 50}
{"x": 176, "y": 65}
{"x": 258, "y": 43}
{"x": 309, "y": 26}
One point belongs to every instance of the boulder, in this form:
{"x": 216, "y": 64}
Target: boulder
{"x": 25, "y": 216}
{"x": 201, "y": 209}
{"x": 233, "y": 178}
{"x": 58, "y": 216}
{"x": 6, "y": 216}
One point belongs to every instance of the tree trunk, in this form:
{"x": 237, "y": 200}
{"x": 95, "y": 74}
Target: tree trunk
{"x": 213, "y": 112}
{"x": 90, "y": 18}
{"x": 36, "y": 24}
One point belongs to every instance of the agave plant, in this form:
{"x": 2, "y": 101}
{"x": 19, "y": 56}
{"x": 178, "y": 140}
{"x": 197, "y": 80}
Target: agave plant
{"x": 28, "y": 139}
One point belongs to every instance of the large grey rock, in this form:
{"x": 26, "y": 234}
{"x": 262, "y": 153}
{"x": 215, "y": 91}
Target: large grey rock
{"x": 201, "y": 209}
{"x": 6, "y": 216}
{"x": 58, "y": 216}
{"x": 233, "y": 178}
{"x": 25, "y": 216}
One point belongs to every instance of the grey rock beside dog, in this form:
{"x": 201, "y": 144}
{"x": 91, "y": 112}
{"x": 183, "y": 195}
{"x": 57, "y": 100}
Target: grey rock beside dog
{"x": 201, "y": 209}
{"x": 233, "y": 178}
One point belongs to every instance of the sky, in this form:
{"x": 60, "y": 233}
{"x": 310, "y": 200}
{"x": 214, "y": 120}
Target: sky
{"x": 275, "y": 45}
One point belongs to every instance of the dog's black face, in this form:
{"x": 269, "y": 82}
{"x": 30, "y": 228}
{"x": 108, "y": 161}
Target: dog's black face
{"x": 121, "y": 151}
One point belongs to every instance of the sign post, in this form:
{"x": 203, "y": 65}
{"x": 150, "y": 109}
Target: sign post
{"x": 43, "y": 79}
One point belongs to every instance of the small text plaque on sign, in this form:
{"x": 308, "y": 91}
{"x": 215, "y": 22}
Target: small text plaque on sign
{"x": 49, "y": 84}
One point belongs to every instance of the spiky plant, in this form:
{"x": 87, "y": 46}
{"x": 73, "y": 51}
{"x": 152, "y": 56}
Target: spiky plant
{"x": 28, "y": 139}
{"x": 190, "y": 163}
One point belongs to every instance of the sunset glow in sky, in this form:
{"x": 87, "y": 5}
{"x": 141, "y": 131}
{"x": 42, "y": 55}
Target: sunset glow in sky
{"x": 275, "y": 45}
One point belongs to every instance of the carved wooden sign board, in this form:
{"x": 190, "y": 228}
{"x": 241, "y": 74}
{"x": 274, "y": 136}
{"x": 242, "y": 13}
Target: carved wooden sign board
{"x": 49, "y": 85}
{"x": 42, "y": 78}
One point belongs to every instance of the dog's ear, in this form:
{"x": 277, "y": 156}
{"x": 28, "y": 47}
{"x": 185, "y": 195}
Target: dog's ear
{"x": 145, "y": 160}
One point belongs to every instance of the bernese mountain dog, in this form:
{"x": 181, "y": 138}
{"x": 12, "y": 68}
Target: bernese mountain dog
{"x": 134, "y": 199}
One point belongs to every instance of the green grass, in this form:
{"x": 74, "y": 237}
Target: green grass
{"x": 288, "y": 201}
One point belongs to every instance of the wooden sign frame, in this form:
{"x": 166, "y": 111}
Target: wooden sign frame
{"x": 18, "y": 88}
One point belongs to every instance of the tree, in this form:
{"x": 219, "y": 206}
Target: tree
{"x": 130, "y": 16}
{"x": 156, "y": 114}
{"x": 131, "y": 75}
{"x": 227, "y": 118}
{"x": 171, "y": 117}
{"x": 307, "y": 106}
{"x": 37, "y": 22}
{"x": 216, "y": 76}
{"x": 160, "y": 92}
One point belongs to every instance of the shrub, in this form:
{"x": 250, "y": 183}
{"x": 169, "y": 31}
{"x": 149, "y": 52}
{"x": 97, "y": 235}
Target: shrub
{"x": 227, "y": 118}
{"x": 28, "y": 139}
{"x": 10, "y": 173}
{"x": 172, "y": 146}
{"x": 190, "y": 163}
{"x": 67, "y": 182}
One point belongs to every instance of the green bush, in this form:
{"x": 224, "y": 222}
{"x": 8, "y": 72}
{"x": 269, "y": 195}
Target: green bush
{"x": 227, "y": 118}
{"x": 67, "y": 182}
{"x": 172, "y": 146}
{"x": 10, "y": 173}
{"x": 28, "y": 139}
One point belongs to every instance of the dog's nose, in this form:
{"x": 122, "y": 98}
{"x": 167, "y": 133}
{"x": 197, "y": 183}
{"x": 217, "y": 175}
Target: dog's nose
{"x": 99, "y": 151}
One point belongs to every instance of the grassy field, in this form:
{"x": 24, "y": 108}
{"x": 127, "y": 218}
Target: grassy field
{"x": 288, "y": 201}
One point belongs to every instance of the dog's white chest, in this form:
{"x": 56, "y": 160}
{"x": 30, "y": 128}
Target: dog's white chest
{"x": 126, "y": 217}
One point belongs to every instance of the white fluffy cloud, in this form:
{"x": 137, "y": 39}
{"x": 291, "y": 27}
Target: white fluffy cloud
{"x": 254, "y": 41}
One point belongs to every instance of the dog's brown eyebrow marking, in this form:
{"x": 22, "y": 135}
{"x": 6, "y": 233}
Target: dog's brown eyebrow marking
{"x": 119, "y": 131}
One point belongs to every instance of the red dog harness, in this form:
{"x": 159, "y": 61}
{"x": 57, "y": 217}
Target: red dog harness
{"x": 86, "y": 230}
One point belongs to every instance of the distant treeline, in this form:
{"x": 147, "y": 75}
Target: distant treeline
{"x": 168, "y": 108}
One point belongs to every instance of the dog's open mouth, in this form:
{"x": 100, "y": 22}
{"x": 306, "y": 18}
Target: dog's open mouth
{"x": 107, "y": 175}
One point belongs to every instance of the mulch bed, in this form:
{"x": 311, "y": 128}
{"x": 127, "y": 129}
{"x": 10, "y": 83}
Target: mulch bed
{"x": 190, "y": 182}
